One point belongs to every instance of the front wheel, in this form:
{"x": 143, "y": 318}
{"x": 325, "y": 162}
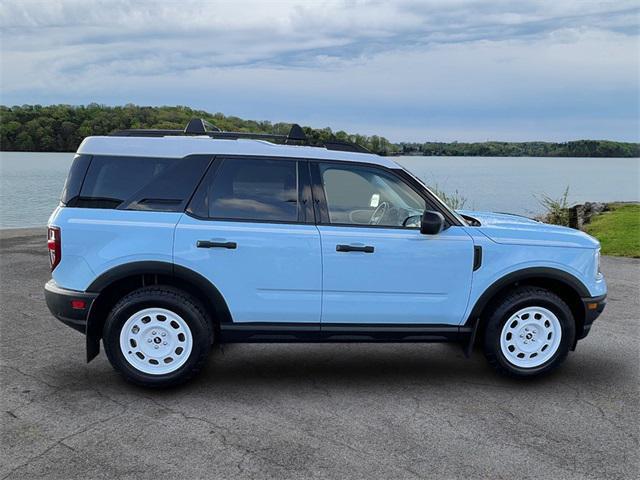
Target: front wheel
{"x": 529, "y": 332}
{"x": 157, "y": 336}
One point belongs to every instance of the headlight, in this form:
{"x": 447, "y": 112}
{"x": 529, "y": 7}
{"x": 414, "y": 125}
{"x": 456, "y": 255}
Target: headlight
{"x": 596, "y": 262}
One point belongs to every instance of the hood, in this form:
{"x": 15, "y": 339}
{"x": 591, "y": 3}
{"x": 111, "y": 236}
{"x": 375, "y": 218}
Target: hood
{"x": 518, "y": 230}
{"x": 493, "y": 218}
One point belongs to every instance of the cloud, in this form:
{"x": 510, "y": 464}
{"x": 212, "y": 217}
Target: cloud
{"x": 419, "y": 68}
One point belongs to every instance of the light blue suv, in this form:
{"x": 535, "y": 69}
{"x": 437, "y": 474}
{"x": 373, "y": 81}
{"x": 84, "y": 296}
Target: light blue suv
{"x": 166, "y": 242}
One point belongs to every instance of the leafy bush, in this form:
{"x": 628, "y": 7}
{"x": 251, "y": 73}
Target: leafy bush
{"x": 455, "y": 200}
{"x": 557, "y": 209}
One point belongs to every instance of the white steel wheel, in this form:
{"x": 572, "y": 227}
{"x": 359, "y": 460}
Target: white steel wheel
{"x": 530, "y": 337}
{"x": 156, "y": 341}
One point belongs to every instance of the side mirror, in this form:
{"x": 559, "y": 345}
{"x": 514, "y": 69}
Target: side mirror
{"x": 432, "y": 223}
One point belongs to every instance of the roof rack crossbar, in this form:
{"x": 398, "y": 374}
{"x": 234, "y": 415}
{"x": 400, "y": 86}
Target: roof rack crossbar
{"x": 198, "y": 126}
{"x": 296, "y": 134}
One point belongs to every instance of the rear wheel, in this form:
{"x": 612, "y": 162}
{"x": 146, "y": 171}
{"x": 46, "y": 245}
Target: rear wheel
{"x": 157, "y": 336}
{"x": 529, "y": 332}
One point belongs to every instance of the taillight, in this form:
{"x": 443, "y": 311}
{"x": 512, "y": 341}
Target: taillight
{"x": 53, "y": 244}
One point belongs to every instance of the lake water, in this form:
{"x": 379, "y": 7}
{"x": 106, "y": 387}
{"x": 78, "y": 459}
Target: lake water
{"x": 30, "y": 183}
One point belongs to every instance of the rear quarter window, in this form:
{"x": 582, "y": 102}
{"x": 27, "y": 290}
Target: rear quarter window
{"x": 140, "y": 183}
{"x": 75, "y": 178}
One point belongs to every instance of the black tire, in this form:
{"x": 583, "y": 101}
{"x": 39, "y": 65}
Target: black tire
{"x": 515, "y": 300}
{"x": 169, "y": 298}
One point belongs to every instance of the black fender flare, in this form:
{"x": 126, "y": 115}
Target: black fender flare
{"x": 529, "y": 273}
{"x": 209, "y": 291}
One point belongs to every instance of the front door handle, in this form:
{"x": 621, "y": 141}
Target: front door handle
{"x": 354, "y": 248}
{"x": 209, "y": 244}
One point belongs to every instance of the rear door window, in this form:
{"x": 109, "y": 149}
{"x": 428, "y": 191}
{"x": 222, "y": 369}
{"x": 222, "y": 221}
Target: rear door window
{"x": 250, "y": 189}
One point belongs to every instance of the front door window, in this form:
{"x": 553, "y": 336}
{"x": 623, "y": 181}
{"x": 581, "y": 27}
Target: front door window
{"x": 358, "y": 195}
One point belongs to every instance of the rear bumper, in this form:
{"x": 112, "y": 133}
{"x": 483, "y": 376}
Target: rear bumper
{"x": 59, "y": 301}
{"x": 593, "y": 307}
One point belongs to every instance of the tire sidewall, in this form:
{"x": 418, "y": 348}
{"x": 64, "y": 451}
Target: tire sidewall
{"x": 506, "y": 310}
{"x": 125, "y": 309}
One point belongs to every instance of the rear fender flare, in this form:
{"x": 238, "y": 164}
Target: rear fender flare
{"x": 209, "y": 293}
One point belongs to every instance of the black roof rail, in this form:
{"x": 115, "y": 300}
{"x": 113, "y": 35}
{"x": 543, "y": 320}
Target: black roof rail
{"x": 145, "y": 132}
{"x": 198, "y": 126}
{"x": 296, "y": 134}
{"x": 345, "y": 146}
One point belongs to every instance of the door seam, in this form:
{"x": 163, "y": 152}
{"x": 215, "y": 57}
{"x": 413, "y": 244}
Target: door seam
{"x": 321, "y": 277}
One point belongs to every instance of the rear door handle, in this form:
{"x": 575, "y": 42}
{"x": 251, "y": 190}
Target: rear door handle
{"x": 354, "y": 248}
{"x": 209, "y": 244}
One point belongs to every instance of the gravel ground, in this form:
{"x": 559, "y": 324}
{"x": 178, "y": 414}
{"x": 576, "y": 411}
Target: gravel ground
{"x": 312, "y": 411}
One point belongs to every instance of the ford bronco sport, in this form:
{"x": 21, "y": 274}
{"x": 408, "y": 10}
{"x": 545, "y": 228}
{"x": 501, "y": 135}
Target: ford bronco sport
{"x": 168, "y": 241}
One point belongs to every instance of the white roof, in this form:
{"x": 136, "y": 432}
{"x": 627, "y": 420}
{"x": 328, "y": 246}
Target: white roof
{"x": 178, "y": 147}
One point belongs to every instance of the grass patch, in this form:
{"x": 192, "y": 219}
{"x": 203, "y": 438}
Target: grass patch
{"x": 618, "y": 230}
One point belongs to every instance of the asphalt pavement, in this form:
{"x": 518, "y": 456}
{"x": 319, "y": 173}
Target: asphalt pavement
{"x": 312, "y": 411}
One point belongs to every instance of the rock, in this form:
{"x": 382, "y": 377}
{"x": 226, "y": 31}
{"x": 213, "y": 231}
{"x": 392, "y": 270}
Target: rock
{"x": 579, "y": 215}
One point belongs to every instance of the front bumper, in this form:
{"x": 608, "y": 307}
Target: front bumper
{"x": 593, "y": 307}
{"x": 69, "y": 306}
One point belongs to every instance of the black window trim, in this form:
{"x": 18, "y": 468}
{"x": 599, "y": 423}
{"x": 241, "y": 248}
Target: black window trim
{"x": 321, "y": 207}
{"x": 306, "y": 214}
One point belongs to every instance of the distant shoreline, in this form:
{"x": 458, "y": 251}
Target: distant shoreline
{"x": 61, "y": 128}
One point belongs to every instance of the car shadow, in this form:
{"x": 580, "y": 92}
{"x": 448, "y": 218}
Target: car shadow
{"x": 252, "y": 367}
{"x": 347, "y": 365}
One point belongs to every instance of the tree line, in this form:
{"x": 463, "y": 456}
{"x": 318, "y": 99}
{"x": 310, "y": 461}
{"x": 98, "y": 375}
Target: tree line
{"x": 577, "y": 148}
{"x": 61, "y": 128}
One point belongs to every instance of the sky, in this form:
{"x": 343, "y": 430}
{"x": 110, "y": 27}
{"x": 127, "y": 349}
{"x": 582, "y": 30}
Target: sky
{"x": 408, "y": 70}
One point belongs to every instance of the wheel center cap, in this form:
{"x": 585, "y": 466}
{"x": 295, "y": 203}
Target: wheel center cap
{"x": 529, "y": 336}
{"x": 157, "y": 340}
